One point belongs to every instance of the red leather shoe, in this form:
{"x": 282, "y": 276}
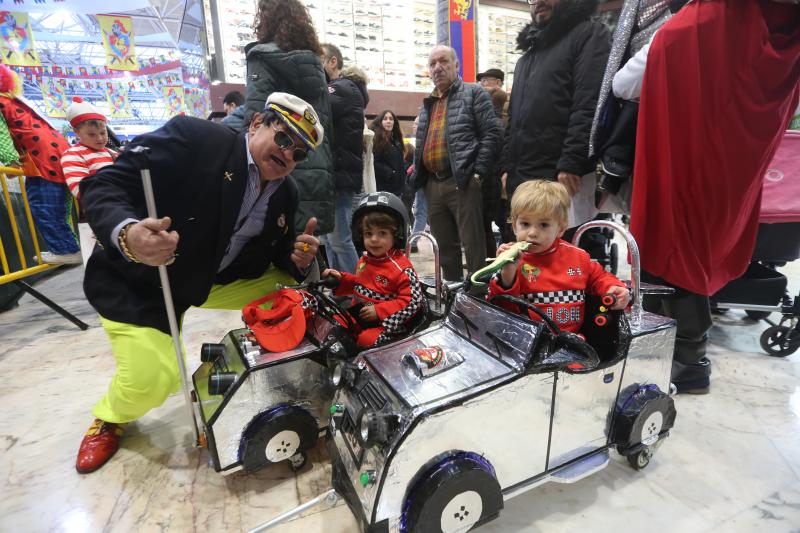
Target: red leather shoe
{"x": 99, "y": 444}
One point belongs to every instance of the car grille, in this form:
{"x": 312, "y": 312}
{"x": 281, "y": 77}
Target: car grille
{"x": 371, "y": 396}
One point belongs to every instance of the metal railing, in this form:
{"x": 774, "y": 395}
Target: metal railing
{"x": 17, "y": 274}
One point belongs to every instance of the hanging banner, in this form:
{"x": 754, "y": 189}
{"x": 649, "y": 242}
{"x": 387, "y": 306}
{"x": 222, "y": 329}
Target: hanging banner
{"x": 55, "y": 98}
{"x": 462, "y": 36}
{"x": 117, "y": 96}
{"x": 118, "y": 41}
{"x": 173, "y": 99}
{"x": 16, "y": 40}
{"x": 73, "y": 6}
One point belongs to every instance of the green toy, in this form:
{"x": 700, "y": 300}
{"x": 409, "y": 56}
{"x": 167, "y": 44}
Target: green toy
{"x": 481, "y": 277}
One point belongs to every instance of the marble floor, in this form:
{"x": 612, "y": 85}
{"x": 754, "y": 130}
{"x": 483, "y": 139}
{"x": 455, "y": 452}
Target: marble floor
{"x": 732, "y": 462}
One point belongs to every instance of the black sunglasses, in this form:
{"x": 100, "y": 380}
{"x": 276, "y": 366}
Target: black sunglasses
{"x": 285, "y": 141}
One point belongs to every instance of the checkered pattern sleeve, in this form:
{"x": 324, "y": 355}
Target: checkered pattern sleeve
{"x": 411, "y": 293}
{"x": 405, "y": 300}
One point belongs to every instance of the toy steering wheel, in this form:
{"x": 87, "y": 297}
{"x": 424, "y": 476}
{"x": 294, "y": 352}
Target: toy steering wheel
{"x": 327, "y": 307}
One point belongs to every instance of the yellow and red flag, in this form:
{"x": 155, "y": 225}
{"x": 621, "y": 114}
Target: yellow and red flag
{"x": 173, "y": 99}
{"x": 16, "y": 40}
{"x": 118, "y": 42}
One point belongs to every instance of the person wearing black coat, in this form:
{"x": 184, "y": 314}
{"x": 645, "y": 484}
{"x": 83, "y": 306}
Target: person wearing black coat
{"x": 390, "y": 173}
{"x": 556, "y": 84}
{"x": 347, "y": 90}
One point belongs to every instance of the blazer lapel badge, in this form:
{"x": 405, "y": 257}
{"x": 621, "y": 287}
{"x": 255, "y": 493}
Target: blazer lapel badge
{"x": 228, "y": 176}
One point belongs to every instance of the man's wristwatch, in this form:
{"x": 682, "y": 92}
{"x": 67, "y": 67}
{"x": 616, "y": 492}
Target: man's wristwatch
{"x": 123, "y": 245}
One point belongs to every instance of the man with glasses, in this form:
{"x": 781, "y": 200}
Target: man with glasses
{"x": 227, "y": 235}
{"x": 494, "y": 77}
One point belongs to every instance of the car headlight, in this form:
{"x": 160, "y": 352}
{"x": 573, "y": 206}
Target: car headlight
{"x": 343, "y": 375}
{"x": 372, "y": 428}
{"x": 210, "y": 352}
{"x": 220, "y": 382}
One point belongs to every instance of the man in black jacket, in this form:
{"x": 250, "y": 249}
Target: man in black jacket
{"x": 227, "y": 235}
{"x": 348, "y": 97}
{"x": 556, "y": 83}
{"x": 457, "y": 143}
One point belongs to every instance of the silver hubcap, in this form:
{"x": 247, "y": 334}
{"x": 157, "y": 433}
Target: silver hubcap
{"x": 462, "y": 512}
{"x": 652, "y": 427}
{"x": 282, "y": 446}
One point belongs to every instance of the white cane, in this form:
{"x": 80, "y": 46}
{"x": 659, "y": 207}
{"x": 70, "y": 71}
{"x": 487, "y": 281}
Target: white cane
{"x": 142, "y": 153}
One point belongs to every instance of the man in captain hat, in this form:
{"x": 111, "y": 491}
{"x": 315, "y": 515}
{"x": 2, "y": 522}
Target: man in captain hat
{"x": 227, "y": 203}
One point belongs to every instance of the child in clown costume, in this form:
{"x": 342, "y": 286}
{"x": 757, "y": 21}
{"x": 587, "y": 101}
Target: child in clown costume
{"x": 385, "y": 287}
{"x": 550, "y": 272}
{"x": 40, "y": 147}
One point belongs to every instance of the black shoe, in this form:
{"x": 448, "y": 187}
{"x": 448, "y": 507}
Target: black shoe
{"x": 694, "y": 386}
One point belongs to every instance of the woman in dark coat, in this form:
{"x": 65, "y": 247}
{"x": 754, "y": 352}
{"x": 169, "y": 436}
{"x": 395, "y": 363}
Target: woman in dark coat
{"x": 287, "y": 58}
{"x": 390, "y": 175}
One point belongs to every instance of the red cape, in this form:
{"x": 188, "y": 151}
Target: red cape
{"x": 719, "y": 89}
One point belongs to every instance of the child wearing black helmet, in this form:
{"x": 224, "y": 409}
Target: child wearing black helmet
{"x": 385, "y": 288}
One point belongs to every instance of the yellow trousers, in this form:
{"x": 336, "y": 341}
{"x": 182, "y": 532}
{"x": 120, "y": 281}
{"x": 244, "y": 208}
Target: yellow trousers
{"x": 147, "y": 367}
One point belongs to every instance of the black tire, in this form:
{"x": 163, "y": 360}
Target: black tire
{"x": 780, "y": 341}
{"x": 640, "y": 459}
{"x": 646, "y": 416}
{"x": 277, "y": 435}
{"x": 613, "y": 258}
{"x": 757, "y": 315}
{"x": 455, "y": 496}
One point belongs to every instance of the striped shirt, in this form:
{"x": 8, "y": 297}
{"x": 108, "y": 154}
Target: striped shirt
{"x": 250, "y": 221}
{"x": 434, "y": 155}
{"x": 80, "y": 161}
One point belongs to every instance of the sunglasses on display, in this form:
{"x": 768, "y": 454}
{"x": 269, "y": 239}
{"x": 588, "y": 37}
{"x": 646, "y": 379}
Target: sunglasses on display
{"x": 284, "y": 142}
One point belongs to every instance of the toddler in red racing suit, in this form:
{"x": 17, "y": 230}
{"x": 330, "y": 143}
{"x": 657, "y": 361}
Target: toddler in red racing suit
{"x": 386, "y": 291}
{"x": 552, "y": 274}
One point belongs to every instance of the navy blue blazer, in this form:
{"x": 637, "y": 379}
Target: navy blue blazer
{"x": 199, "y": 172}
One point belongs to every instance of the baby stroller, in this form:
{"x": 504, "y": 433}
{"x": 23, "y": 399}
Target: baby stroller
{"x": 762, "y": 290}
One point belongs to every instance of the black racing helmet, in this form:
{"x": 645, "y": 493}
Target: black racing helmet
{"x": 385, "y": 202}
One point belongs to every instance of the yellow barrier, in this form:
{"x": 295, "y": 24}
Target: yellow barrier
{"x": 25, "y": 270}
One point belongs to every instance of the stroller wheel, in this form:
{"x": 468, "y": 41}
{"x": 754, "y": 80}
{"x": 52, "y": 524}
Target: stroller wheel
{"x": 780, "y": 341}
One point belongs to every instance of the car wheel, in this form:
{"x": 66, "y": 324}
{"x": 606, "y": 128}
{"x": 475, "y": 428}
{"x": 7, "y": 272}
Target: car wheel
{"x": 644, "y": 417}
{"x": 277, "y": 435}
{"x": 641, "y": 459}
{"x": 456, "y": 495}
{"x": 780, "y": 341}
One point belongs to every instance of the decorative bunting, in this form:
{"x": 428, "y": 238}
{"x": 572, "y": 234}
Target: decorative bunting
{"x": 118, "y": 42}
{"x": 16, "y": 40}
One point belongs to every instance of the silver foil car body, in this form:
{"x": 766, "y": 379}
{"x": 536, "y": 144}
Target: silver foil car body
{"x": 495, "y": 403}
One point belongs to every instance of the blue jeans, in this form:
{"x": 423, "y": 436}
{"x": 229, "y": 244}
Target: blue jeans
{"x": 339, "y": 247}
{"x": 420, "y": 211}
{"x": 51, "y": 207}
